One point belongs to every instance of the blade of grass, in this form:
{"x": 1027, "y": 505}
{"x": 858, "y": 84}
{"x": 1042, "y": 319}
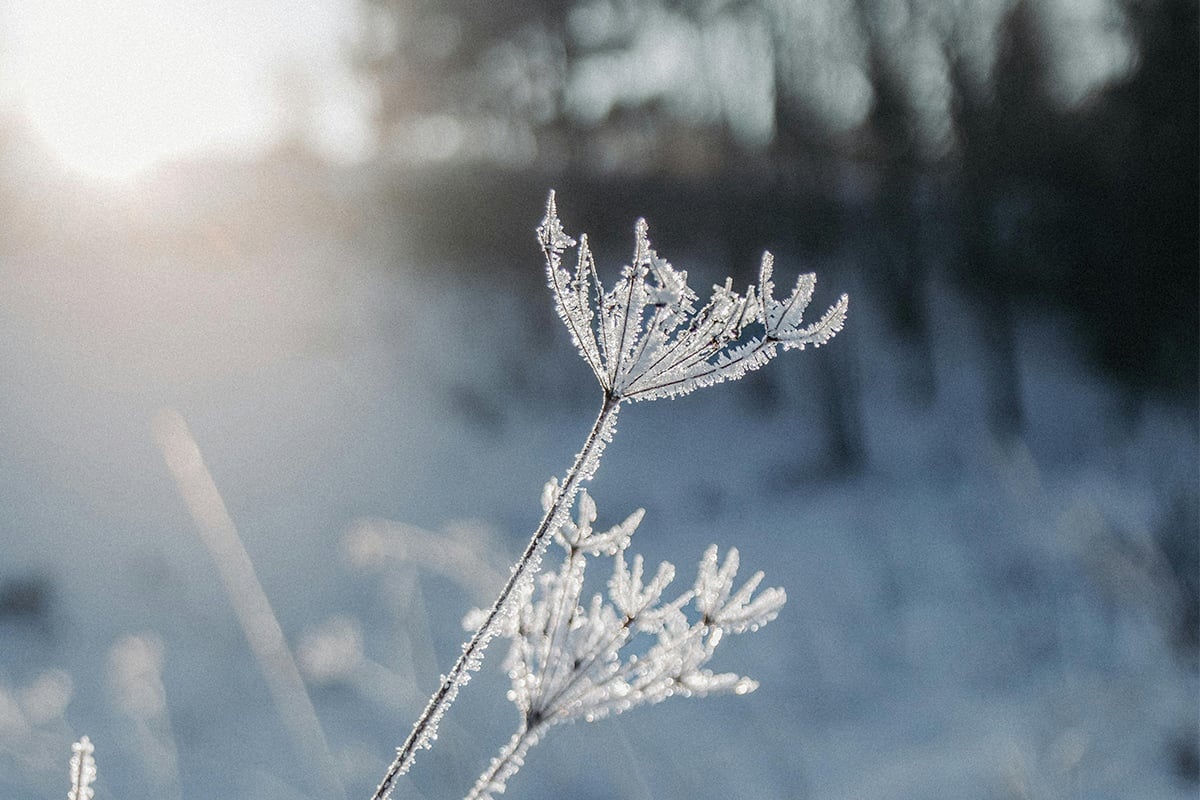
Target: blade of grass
{"x": 249, "y": 601}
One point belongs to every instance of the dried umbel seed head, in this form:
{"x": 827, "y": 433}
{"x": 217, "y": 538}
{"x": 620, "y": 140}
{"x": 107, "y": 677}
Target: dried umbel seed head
{"x": 645, "y": 338}
{"x": 634, "y": 645}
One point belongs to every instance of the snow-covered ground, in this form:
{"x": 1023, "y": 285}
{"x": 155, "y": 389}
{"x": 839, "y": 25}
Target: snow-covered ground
{"x": 967, "y": 617}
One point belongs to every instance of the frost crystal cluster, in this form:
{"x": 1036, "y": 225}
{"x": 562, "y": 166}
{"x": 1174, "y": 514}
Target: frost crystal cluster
{"x": 570, "y": 660}
{"x": 645, "y": 338}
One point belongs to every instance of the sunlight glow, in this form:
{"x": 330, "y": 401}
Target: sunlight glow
{"x": 114, "y": 88}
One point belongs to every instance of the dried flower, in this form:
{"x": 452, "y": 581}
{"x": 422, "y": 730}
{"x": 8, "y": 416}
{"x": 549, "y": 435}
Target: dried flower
{"x": 632, "y": 647}
{"x": 645, "y": 339}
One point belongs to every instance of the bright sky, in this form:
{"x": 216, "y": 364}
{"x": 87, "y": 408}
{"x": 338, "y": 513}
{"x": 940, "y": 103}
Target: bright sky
{"x": 113, "y": 88}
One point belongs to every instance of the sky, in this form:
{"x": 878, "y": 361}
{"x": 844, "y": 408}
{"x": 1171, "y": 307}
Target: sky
{"x": 113, "y": 88}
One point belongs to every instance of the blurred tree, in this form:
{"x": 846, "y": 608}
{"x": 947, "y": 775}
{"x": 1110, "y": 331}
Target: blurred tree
{"x": 1140, "y": 144}
{"x": 1091, "y": 207}
{"x": 894, "y": 148}
{"x": 460, "y": 80}
{"x": 1002, "y": 127}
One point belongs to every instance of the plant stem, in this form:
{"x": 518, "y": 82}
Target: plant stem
{"x": 424, "y": 731}
{"x": 510, "y": 759}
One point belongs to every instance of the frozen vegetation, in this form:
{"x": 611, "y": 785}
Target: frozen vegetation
{"x": 644, "y": 340}
{"x": 968, "y": 615}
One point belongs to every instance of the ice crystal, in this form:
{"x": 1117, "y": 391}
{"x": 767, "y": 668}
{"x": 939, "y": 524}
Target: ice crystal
{"x": 83, "y": 770}
{"x": 635, "y": 645}
{"x": 645, "y": 338}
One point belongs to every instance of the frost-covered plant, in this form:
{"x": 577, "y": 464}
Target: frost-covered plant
{"x": 83, "y": 770}
{"x": 644, "y": 339}
{"x": 569, "y": 661}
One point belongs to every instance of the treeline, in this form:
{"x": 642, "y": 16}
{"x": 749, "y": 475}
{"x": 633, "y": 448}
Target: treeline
{"x": 1004, "y": 187}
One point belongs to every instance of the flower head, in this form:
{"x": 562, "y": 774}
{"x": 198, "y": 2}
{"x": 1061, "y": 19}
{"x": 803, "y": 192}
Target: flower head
{"x": 634, "y": 645}
{"x": 645, "y": 338}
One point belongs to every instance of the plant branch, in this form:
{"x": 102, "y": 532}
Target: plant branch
{"x": 507, "y": 763}
{"x": 425, "y": 729}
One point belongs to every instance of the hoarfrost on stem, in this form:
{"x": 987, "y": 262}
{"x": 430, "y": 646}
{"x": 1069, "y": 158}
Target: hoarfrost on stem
{"x": 83, "y": 770}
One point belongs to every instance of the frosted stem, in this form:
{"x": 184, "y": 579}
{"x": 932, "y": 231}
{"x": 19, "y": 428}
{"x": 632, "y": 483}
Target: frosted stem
{"x": 506, "y": 764}
{"x": 425, "y": 729}
{"x": 83, "y": 770}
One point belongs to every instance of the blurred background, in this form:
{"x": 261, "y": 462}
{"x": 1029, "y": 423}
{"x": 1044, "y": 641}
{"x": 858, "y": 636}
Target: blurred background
{"x": 305, "y": 230}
